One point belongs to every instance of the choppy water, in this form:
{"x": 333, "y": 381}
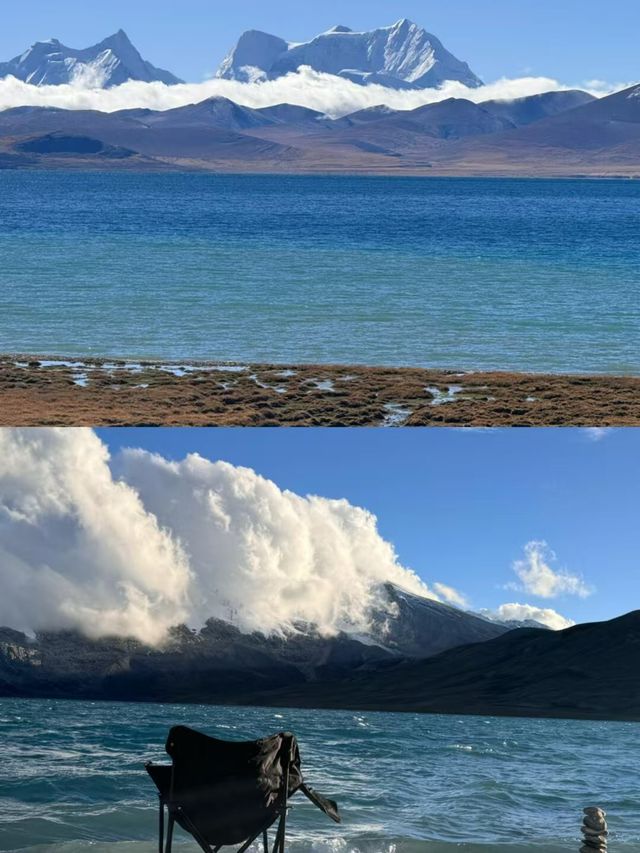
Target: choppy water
{"x": 72, "y": 774}
{"x": 460, "y": 273}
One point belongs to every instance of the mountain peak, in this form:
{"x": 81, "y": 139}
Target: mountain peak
{"x": 402, "y": 56}
{"x": 112, "y": 61}
{"x": 119, "y": 37}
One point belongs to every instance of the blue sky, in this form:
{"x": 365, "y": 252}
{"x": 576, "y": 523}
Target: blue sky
{"x": 460, "y": 506}
{"x": 572, "y": 40}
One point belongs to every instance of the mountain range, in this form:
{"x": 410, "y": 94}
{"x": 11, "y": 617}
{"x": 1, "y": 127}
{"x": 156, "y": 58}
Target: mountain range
{"x": 419, "y": 655}
{"x": 555, "y": 134}
{"x": 558, "y": 133}
{"x": 402, "y": 56}
{"x": 219, "y": 661}
{"x": 109, "y": 63}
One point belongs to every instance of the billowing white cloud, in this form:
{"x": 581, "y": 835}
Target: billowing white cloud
{"x": 78, "y": 549}
{"x": 537, "y": 577}
{"x": 326, "y": 93}
{"x": 266, "y": 557}
{"x": 451, "y": 595}
{"x": 138, "y": 543}
{"x": 521, "y": 612}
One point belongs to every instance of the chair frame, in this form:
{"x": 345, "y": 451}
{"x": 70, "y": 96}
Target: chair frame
{"x": 176, "y": 813}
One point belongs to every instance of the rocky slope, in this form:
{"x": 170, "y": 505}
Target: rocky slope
{"x": 420, "y": 627}
{"x": 219, "y": 663}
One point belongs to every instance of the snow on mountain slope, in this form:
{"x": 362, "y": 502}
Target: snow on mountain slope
{"x": 402, "y": 56}
{"x": 108, "y": 63}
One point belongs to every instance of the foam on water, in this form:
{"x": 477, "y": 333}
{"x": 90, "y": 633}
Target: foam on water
{"x": 440, "y": 398}
{"x": 395, "y": 415}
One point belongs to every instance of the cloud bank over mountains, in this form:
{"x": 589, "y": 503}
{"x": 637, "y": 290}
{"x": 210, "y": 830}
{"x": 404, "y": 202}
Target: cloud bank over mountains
{"x": 135, "y": 544}
{"x": 335, "y": 96}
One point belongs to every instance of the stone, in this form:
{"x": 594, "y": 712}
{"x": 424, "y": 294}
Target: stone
{"x": 594, "y": 812}
{"x": 594, "y": 823}
{"x": 594, "y": 833}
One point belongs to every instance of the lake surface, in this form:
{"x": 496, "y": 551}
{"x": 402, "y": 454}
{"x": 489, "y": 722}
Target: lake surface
{"x": 534, "y": 275}
{"x": 72, "y": 773}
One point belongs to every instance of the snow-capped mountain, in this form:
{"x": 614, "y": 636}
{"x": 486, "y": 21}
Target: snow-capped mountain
{"x": 109, "y": 63}
{"x": 402, "y": 56}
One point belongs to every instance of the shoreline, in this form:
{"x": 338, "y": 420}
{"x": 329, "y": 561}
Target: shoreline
{"x": 238, "y": 169}
{"x": 269, "y": 702}
{"x": 38, "y": 390}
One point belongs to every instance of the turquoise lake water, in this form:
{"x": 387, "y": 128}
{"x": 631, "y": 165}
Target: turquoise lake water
{"x": 72, "y": 774}
{"x": 536, "y": 275}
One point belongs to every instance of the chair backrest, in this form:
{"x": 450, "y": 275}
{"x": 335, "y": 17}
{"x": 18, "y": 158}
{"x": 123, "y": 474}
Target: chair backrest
{"x": 230, "y": 791}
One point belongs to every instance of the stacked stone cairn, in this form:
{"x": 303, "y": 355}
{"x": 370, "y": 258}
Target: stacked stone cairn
{"x": 594, "y": 830}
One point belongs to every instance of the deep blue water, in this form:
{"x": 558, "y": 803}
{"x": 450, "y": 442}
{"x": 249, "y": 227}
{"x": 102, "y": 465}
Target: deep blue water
{"x": 72, "y": 774}
{"x": 460, "y": 273}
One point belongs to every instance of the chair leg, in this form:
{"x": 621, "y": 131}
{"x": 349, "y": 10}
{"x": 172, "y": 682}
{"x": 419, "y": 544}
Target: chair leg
{"x": 278, "y": 844}
{"x": 283, "y": 819}
{"x": 169, "y": 834}
{"x": 265, "y": 841}
{"x": 161, "y": 828}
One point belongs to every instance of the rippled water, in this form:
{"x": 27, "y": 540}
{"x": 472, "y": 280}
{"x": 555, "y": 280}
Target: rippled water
{"x": 460, "y": 273}
{"x": 72, "y": 773}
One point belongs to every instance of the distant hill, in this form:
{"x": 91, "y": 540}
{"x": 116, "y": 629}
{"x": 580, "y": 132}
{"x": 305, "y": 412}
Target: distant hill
{"x": 589, "y": 671}
{"x": 454, "y": 136}
{"x": 402, "y": 56}
{"x": 602, "y": 135}
{"x": 200, "y": 133}
{"x": 108, "y": 63}
{"x": 453, "y": 118}
{"x": 523, "y": 111}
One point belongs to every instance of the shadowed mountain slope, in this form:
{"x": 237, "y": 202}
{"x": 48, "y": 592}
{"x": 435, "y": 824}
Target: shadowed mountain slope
{"x": 219, "y": 663}
{"x": 590, "y": 671}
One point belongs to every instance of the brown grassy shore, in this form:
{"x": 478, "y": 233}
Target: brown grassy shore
{"x": 36, "y": 390}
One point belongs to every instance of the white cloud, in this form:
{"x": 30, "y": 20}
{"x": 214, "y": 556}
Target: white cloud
{"x": 451, "y": 595}
{"x": 329, "y": 94}
{"x": 597, "y": 433}
{"x": 537, "y": 577}
{"x": 263, "y": 556}
{"x": 521, "y": 612}
{"x": 135, "y": 544}
{"x": 77, "y": 549}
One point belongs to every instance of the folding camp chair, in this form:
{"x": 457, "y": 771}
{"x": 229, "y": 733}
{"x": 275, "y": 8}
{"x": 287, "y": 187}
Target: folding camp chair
{"x": 230, "y": 792}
